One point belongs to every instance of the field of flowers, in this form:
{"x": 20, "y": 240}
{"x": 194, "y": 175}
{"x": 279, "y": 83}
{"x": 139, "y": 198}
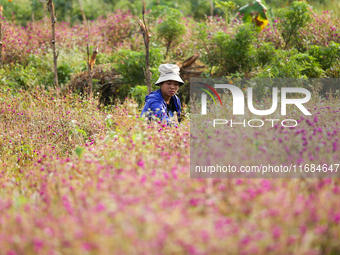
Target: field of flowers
{"x": 77, "y": 177}
{"x": 77, "y": 180}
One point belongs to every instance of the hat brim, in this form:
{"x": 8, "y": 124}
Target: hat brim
{"x": 170, "y": 77}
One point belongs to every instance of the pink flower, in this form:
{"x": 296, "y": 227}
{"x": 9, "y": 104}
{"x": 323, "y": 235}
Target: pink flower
{"x": 141, "y": 163}
{"x": 100, "y": 207}
{"x": 276, "y": 232}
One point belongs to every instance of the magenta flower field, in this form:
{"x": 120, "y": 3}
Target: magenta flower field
{"x": 76, "y": 180}
{"x": 84, "y": 173}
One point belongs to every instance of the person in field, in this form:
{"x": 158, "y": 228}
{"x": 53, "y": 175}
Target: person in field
{"x": 163, "y": 102}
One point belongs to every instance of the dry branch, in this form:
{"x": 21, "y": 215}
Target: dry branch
{"x": 90, "y": 63}
{"x": 146, "y": 35}
{"x": 82, "y": 12}
{"x": 50, "y": 8}
{"x": 211, "y": 8}
{"x": 188, "y": 62}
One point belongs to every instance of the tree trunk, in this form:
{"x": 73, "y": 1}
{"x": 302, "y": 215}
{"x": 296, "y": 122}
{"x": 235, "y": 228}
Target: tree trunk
{"x": 167, "y": 49}
{"x": 82, "y": 11}
{"x": 211, "y": 8}
{"x": 146, "y": 36}
{"x": 89, "y": 81}
{"x": 50, "y": 8}
{"x": 89, "y": 76}
{"x": 147, "y": 63}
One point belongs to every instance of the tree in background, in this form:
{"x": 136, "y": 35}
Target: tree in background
{"x": 229, "y": 8}
{"x": 171, "y": 29}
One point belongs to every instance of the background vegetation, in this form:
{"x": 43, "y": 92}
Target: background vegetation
{"x": 299, "y": 41}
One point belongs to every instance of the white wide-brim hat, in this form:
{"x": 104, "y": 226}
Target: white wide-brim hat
{"x": 169, "y": 72}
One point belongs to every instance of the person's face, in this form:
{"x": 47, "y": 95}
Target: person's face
{"x": 169, "y": 88}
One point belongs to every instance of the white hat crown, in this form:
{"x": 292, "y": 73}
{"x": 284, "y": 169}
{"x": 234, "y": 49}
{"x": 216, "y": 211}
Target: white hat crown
{"x": 169, "y": 72}
{"x": 168, "y": 69}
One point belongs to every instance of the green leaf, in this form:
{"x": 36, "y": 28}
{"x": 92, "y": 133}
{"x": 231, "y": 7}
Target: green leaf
{"x": 80, "y": 151}
{"x": 82, "y": 132}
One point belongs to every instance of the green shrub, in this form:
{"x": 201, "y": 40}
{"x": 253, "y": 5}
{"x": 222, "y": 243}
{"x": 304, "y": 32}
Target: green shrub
{"x": 196, "y": 8}
{"x": 296, "y": 17}
{"x": 284, "y": 65}
{"x": 64, "y": 73}
{"x": 333, "y": 71}
{"x": 19, "y": 77}
{"x": 171, "y": 29}
{"x": 92, "y": 9}
{"x": 158, "y": 10}
{"x": 139, "y": 92}
{"x": 130, "y": 65}
{"x": 229, "y": 8}
{"x": 21, "y": 11}
{"x": 201, "y": 35}
{"x": 291, "y": 64}
{"x": 265, "y": 53}
{"x": 235, "y": 52}
{"x": 326, "y": 56}
{"x": 312, "y": 68}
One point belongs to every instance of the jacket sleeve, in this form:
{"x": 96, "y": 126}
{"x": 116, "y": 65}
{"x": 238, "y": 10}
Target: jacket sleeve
{"x": 154, "y": 107}
{"x": 159, "y": 110}
{"x": 145, "y": 109}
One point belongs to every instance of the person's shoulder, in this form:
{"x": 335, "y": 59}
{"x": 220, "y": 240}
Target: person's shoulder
{"x": 153, "y": 96}
{"x": 175, "y": 96}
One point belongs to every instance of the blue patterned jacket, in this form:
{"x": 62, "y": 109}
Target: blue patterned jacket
{"x": 155, "y": 101}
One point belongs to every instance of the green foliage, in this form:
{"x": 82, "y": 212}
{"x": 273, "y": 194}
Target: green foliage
{"x": 68, "y": 10}
{"x": 130, "y": 65}
{"x": 64, "y": 73}
{"x": 18, "y": 76}
{"x": 63, "y": 8}
{"x": 91, "y": 9}
{"x": 158, "y": 11}
{"x": 20, "y": 11}
{"x": 312, "y": 68}
{"x": 326, "y": 56}
{"x": 265, "y": 53}
{"x": 291, "y": 64}
{"x": 333, "y": 71}
{"x": 235, "y": 52}
{"x": 282, "y": 67}
{"x": 229, "y": 8}
{"x": 171, "y": 30}
{"x": 139, "y": 92}
{"x": 296, "y": 17}
{"x": 196, "y": 8}
{"x": 201, "y": 34}
{"x": 39, "y": 70}
{"x": 80, "y": 151}
{"x": 102, "y": 58}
